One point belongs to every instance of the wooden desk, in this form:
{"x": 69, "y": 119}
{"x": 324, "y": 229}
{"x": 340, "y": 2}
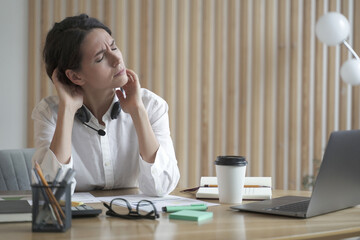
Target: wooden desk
{"x": 226, "y": 224}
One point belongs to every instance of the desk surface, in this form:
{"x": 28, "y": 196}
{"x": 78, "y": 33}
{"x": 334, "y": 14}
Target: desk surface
{"x": 226, "y": 224}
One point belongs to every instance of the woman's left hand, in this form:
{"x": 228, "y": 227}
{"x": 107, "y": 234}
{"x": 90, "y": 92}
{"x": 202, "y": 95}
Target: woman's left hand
{"x": 131, "y": 102}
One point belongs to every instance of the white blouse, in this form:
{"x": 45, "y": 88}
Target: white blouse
{"x": 111, "y": 161}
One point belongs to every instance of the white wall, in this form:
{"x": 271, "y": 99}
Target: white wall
{"x": 13, "y": 71}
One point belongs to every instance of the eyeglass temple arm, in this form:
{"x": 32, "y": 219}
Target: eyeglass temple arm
{"x": 347, "y": 45}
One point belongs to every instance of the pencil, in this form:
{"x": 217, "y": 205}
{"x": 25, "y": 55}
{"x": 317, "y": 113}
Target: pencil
{"x": 54, "y": 203}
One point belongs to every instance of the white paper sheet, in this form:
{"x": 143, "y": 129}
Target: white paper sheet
{"x": 84, "y": 197}
{"x": 159, "y": 202}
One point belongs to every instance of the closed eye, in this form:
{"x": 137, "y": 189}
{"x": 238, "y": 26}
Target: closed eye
{"x": 99, "y": 60}
{"x": 113, "y": 48}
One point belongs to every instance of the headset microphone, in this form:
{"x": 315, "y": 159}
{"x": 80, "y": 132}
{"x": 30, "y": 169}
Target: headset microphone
{"x": 100, "y": 131}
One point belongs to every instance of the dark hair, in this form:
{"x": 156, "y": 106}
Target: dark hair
{"x": 63, "y": 41}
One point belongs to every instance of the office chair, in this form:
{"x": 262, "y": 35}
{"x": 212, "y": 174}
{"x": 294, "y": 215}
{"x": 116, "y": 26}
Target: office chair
{"x": 15, "y": 169}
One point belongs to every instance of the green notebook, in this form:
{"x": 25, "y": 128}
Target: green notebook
{"x": 191, "y": 215}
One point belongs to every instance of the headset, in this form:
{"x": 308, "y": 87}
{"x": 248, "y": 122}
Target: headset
{"x": 84, "y": 116}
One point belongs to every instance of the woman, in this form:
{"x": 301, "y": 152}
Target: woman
{"x": 102, "y": 123}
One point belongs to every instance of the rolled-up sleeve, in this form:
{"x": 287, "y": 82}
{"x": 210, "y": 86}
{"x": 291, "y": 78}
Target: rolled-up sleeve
{"x": 161, "y": 177}
{"x": 44, "y": 116}
{"x": 158, "y": 178}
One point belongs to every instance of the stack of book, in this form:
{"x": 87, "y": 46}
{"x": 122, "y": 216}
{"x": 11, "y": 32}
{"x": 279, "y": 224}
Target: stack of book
{"x": 15, "y": 211}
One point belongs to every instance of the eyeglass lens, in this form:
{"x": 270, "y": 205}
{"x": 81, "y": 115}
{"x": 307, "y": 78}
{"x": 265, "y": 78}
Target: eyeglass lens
{"x": 121, "y": 206}
{"x": 144, "y": 207}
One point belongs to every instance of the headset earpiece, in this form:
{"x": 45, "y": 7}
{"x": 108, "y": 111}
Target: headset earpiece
{"x": 115, "y": 111}
{"x": 82, "y": 114}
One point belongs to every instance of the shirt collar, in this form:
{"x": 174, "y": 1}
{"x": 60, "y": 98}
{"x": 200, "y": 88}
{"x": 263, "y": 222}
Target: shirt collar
{"x": 107, "y": 115}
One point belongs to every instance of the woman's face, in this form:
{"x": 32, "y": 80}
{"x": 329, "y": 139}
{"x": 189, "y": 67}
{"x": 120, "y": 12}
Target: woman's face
{"x": 102, "y": 65}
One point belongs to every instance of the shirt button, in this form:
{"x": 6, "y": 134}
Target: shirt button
{"x": 107, "y": 164}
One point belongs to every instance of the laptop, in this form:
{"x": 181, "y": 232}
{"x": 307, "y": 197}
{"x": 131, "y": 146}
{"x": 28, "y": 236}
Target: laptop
{"x": 337, "y": 185}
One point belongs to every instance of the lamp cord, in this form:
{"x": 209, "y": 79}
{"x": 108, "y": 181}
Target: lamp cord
{"x": 351, "y": 50}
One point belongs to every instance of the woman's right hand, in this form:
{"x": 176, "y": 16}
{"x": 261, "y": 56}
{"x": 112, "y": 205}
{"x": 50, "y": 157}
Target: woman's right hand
{"x": 70, "y": 100}
{"x": 70, "y": 96}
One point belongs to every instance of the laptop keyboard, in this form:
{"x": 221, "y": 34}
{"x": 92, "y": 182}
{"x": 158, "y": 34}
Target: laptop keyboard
{"x": 293, "y": 207}
{"x": 84, "y": 211}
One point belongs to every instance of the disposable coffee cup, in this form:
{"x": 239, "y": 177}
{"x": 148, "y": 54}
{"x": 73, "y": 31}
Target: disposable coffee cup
{"x": 230, "y": 172}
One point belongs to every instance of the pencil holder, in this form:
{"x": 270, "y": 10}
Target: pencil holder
{"x": 51, "y": 208}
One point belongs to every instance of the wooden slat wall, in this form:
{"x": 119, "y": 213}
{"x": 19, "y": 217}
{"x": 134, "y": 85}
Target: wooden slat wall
{"x": 240, "y": 77}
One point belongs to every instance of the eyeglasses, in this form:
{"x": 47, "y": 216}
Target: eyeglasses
{"x": 144, "y": 209}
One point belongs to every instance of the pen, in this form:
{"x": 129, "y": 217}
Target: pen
{"x": 56, "y": 179}
{"x": 199, "y": 207}
{"x": 66, "y": 180}
{"x": 210, "y": 185}
{"x": 245, "y": 186}
{"x": 255, "y": 186}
